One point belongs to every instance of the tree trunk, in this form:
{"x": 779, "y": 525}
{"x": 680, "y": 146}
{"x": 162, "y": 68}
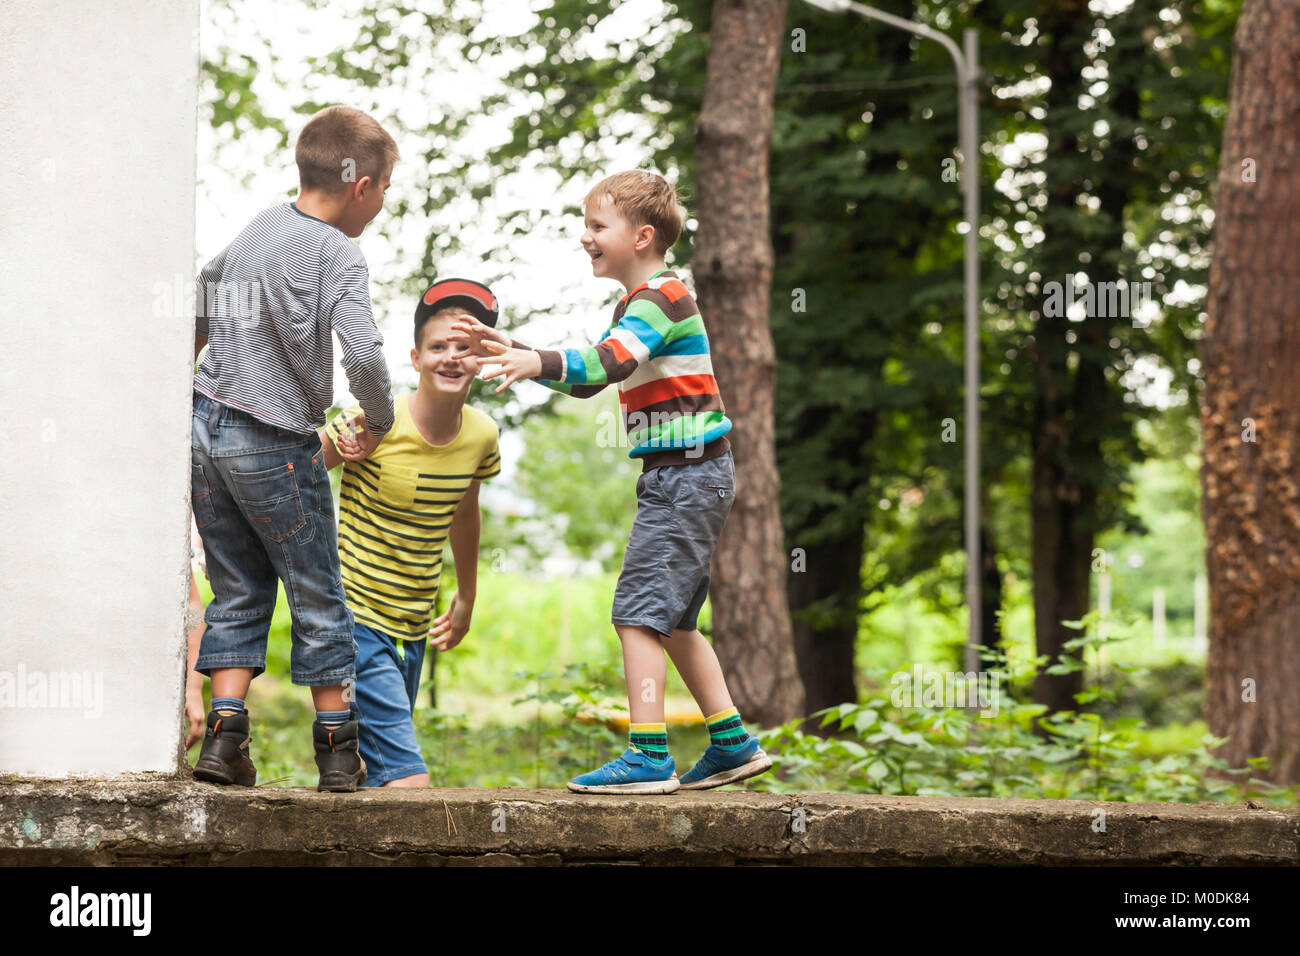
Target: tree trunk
{"x": 1251, "y": 355}
{"x": 829, "y": 588}
{"x": 991, "y": 589}
{"x": 732, "y": 268}
{"x": 1061, "y": 503}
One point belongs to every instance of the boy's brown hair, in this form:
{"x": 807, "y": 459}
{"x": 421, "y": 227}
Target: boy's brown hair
{"x": 644, "y": 199}
{"x": 339, "y": 146}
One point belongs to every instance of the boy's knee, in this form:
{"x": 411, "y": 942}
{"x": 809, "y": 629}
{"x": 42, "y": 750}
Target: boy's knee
{"x": 637, "y": 632}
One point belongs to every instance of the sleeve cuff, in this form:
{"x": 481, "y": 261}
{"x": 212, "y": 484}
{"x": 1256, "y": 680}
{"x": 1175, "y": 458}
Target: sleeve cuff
{"x": 552, "y": 365}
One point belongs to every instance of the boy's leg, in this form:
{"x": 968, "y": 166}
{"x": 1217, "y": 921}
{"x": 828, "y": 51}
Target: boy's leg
{"x": 702, "y": 495}
{"x": 696, "y": 661}
{"x": 645, "y": 669}
{"x": 231, "y": 682}
{"x": 387, "y": 734}
{"x": 233, "y": 648}
{"x": 413, "y": 668}
{"x": 278, "y": 482}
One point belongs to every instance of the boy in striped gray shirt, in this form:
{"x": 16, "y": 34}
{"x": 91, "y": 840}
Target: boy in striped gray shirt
{"x": 269, "y": 306}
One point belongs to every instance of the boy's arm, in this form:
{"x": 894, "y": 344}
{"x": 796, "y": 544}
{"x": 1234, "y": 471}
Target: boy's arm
{"x": 450, "y": 627}
{"x": 331, "y": 454}
{"x": 637, "y": 337}
{"x": 209, "y": 275}
{"x": 466, "y": 526}
{"x": 363, "y": 348}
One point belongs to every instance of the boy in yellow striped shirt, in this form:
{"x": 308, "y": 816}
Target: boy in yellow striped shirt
{"x": 416, "y": 489}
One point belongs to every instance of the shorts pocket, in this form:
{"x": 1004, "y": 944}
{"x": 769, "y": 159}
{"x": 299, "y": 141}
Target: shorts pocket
{"x": 719, "y": 487}
{"x": 201, "y": 497}
{"x": 698, "y": 485}
{"x": 270, "y": 500}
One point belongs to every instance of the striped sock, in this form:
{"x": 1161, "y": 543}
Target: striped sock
{"x": 332, "y": 719}
{"x": 650, "y": 739}
{"x": 726, "y": 730}
{"x": 228, "y": 706}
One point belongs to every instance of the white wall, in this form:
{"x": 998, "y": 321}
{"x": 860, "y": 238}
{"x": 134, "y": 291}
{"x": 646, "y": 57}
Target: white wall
{"x": 97, "y": 136}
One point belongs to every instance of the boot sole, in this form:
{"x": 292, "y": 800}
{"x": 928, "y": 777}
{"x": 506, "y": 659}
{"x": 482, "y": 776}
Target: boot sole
{"x": 214, "y": 771}
{"x": 342, "y": 782}
{"x": 670, "y": 785}
{"x": 759, "y": 764}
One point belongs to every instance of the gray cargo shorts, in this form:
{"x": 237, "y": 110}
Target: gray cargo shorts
{"x": 680, "y": 511}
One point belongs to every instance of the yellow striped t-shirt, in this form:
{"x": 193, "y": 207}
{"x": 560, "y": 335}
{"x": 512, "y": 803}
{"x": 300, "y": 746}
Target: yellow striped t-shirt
{"x": 394, "y": 511}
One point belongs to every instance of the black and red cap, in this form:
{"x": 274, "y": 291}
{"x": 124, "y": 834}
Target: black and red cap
{"x": 474, "y": 297}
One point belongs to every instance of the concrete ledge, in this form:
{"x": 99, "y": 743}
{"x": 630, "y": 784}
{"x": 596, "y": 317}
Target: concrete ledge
{"x": 54, "y": 822}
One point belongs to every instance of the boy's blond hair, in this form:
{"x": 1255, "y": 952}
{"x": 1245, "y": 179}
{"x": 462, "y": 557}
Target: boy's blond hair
{"x": 644, "y": 199}
{"x": 339, "y": 146}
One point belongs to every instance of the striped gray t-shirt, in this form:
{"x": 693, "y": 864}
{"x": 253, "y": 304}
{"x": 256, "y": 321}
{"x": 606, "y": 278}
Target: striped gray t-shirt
{"x": 269, "y": 304}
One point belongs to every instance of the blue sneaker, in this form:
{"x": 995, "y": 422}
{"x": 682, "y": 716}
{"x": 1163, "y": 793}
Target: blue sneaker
{"x": 719, "y": 766}
{"x": 631, "y": 773}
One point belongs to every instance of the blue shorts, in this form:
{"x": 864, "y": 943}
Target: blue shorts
{"x": 385, "y": 700}
{"x": 680, "y": 511}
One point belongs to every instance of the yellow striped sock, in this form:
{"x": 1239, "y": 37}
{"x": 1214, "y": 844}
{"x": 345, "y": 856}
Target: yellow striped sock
{"x": 650, "y": 739}
{"x": 726, "y": 729}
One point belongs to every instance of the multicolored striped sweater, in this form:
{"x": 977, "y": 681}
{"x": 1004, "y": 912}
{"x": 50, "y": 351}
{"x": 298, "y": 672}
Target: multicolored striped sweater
{"x": 657, "y": 351}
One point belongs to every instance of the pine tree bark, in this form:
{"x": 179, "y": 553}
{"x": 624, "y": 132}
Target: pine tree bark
{"x": 1251, "y": 355}
{"x": 732, "y": 269}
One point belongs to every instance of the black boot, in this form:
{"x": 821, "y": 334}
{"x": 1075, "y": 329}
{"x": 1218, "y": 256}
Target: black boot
{"x": 341, "y": 768}
{"x": 224, "y": 758}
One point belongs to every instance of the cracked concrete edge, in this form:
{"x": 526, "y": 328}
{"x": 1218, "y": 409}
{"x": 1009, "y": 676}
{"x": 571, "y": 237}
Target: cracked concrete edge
{"x": 183, "y": 821}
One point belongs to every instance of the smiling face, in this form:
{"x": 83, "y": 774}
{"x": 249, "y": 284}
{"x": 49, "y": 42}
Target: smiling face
{"x": 446, "y": 368}
{"x": 613, "y": 243}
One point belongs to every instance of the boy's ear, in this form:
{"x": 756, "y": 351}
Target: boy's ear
{"x": 360, "y": 186}
{"x": 415, "y": 359}
{"x": 645, "y": 236}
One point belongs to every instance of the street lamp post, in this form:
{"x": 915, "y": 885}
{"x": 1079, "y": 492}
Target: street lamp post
{"x": 968, "y": 107}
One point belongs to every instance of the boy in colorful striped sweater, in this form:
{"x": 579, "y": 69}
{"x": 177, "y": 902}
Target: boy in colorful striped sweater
{"x": 657, "y": 350}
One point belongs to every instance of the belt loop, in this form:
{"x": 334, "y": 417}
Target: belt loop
{"x": 214, "y": 418}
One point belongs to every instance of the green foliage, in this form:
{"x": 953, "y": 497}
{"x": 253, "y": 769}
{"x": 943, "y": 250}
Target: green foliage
{"x": 898, "y": 744}
{"x": 575, "y": 468}
{"x": 579, "y": 740}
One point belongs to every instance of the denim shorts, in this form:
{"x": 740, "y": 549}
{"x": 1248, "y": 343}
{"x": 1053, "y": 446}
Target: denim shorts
{"x": 387, "y": 683}
{"x": 262, "y": 504}
{"x": 680, "y": 511}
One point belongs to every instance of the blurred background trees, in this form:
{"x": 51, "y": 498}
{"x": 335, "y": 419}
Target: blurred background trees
{"x": 1100, "y": 132}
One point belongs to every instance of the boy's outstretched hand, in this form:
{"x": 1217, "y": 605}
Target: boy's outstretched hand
{"x": 450, "y": 627}
{"x": 471, "y": 330}
{"x": 514, "y": 364}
